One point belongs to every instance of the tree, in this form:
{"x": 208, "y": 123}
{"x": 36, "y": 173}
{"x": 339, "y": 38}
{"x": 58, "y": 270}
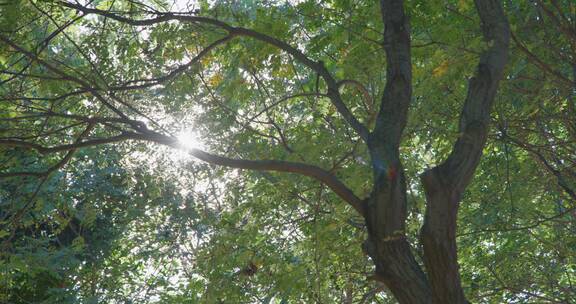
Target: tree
{"x": 276, "y": 89}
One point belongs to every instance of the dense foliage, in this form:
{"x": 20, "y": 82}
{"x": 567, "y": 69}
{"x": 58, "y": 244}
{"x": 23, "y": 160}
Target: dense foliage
{"x": 107, "y": 107}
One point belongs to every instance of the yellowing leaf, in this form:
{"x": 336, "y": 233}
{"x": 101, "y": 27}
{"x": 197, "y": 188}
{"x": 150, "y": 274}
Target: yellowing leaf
{"x": 441, "y": 69}
{"x": 463, "y": 5}
{"x": 215, "y": 80}
{"x": 206, "y": 60}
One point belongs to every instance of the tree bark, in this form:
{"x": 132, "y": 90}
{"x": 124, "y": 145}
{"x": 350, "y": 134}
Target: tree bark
{"x": 445, "y": 184}
{"x": 386, "y": 208}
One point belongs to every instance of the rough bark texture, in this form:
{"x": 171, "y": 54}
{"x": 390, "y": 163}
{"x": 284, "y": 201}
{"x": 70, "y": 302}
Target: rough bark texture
{"x": 445, "y": 183}
{"x": 386, "y": 209}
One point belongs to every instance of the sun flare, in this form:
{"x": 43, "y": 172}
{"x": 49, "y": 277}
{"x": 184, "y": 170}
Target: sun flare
{"x": 189, "y": 140}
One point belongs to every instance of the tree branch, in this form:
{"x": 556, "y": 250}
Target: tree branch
{"x": 393, "y": 112}
{"x": 460, "y": 165}
{"x": 81, "y": 144}
{"x": 316, "y": 66}
{"x": 564, "y": 28}
{"x": 64, "y": 75}
{"x": 312, "y": 171}
{"x": 368, "y": 100}
{"x": 445, "y": 183}
{"x": 539, "y": 63}
{"x": 145, "y": 83}
{"x": 387, "y": 243}
{"x": 56, "y": 166}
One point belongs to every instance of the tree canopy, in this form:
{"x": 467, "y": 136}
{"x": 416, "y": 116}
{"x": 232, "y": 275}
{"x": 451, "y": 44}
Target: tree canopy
{"x": 275, "y": 151}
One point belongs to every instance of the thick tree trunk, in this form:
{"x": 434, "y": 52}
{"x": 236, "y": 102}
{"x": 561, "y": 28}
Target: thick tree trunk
{"x": 385, "y": 212}
{"x": 386, "y": 208}
{"x": 399, "y": 271}
{"x": 445, "y": 183}
{"x": 438, "y": 237}
{"x": 387, "y": 245}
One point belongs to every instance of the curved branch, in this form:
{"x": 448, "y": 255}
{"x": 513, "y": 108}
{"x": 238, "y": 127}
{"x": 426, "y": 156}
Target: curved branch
{"x": 155, "y": 81}
{"x": 445, "y": 183}
{"x": 281, "y": 100}
{"x": 539, "y": 63}
{"x": 316, "y": 66}
{"x": 312, "y": 171}
{"x": 458, "y": 168}
{"x": 80, "y": 144}
{"x": 564, "y": 28}
{"x": 56, "y": 166}
{"x": 85, "y": 85}
{"x": 362, "y": 89}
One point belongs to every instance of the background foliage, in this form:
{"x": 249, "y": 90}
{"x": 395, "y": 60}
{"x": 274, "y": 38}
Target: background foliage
{"x": 138, "y": 223}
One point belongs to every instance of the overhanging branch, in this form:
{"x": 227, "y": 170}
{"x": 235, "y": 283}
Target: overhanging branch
{"x": 312, "y": 171}
{"x": 56, "y": 166}
{"x": 316, "y": 66}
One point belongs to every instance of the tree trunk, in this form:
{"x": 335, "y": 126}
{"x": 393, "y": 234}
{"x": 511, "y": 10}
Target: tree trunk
{"x": 438, "y": 237}
{"x": 385, "y": 211}
{"x": 387, "y": 245}
{"x": 399, "y": 271}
